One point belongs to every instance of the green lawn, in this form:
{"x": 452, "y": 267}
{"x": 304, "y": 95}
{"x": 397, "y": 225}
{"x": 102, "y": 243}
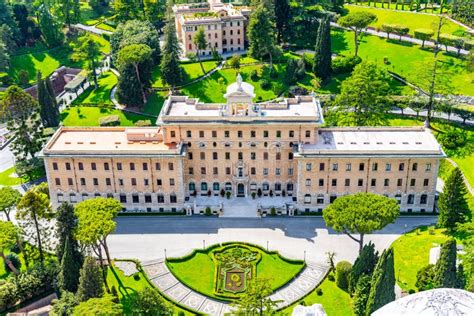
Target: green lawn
{"x": 101, "y": 95}
{"x": 9, "y": 178}
{"x": 105, "y": 27}
{"x": 412, "y": 252}
{"x": 409, "y": 19}
{"x": 404, "y": 59}
{"x": 48, "y": 60}
{"x": 393, "y": 6}
{"x": 191, "y": 70}
{"x": 89, "y": 116}
{"x": 199, "y": 270}
{"x": 335, "y": 301}
{"x": 127, "y": 286}
{"x": 155, "y": 102}
{"x": 89, "y": 17}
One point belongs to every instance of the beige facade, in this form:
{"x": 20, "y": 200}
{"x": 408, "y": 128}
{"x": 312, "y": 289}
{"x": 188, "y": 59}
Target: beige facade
{"x": 274, "y": 150}
{"x": 223, "y": 24}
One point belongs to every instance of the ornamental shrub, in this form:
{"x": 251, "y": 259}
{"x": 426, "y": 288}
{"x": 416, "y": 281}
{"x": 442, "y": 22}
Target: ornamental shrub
{"x": 453, "y": 138}
{"x": 319, "y": 292}
{"x": 265, "y": 84}
{"x": 8, "y": 295}
{"x": 341, "y": 65}
{"x": 208, "y": 211}
{"x": 343, "y": 269}
{"x": 143, "y": 123}
{"x": 254, "y": 75}
{"x": 14, "y": 260}
{"x": 110, "y": 120}
{"x": 424, "y": 278}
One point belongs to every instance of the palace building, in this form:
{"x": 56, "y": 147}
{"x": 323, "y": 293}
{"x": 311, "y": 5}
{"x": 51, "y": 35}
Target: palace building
{"x": 274, "y": 152}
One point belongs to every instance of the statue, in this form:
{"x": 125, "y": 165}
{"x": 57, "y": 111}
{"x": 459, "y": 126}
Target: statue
{"x": 239, "y": 82}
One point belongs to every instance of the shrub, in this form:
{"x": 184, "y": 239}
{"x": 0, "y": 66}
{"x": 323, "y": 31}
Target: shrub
{"x": 136, "y": 277}
{"x": 411, "y": 291}
{"x": 425, "y": 278}
{"x": 222, "y": 192}
{"x": 331, "y": 277}
{"x": 265, "y": 84}
{"x": 111, "y": 120}
{"x": 14, "y": 260}
{"x": 23, "y": 77}
{"x": 228, "y": 194}
{"x": 254, "y": 195}
{"x": 343, "y": 269}
{"x": 6, "y": 80}
{"x": 8, "y": 295}
{"x": 341, "y": 65}
{"x": 181, "y": 313}
{"x": 192, "y": 57}
{"x": 273, "y": 211}
{"x": 254, "y": 75}
{"x": 453, "y": 138}
{"x": 143, "y": 123}
{"x": 208, "y": 211}
{"x": 319, "y": 292}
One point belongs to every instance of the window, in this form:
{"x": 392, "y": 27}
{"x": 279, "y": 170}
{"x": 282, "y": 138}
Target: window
{"x": 95, "y": 181}
{"x": 159, "y": 182}
{"x": 360, "y": 182}
{"x": 107, "y": 181}
{"x": 215, "y": 170}
{"x": 173, "y": 134}
{"x": 321, "y": 166}
{"x": 265, "y": 171}
{"x": 253, "y": 171}
{"x": 253, "y": 155}
{"x": 147, "y": 198}
{"x": 426, "y": 182}
{"x": 373, "y": 182}
{"x": 361, "y": 166}
{"x": 201, "y": 134}
{"x": 415, "y": 167}
{"x": 134, "y": 181}
{"x": 192, "y": 186}
{"x": 55, "y": 166}
{"x": 120, "y": 181}
{"x": 68, "y": 166}
{"x": 227, "y": 155}
{"x": 57, "y": 181}
{"x": 278, "y": 134}
{"x": 170, "y": 166}
{"x": 308, "y": 134}
{"x": 240, "y": 155}
{"x": 265, "y": 156}
{"x": 214, "y": 155}
{"x": 320, "y": 199}
{"x": 334, "y": 182}
{"x": 202, "y": 155}
{"x": 160, "y": 198}
{"x": 428, "y": 167}
{"x": 290, "y": 156}
{"x": 60, "y": 197}
{"x": 375, "y": 166}
{"x": 347, "y": 182}
{"x": 265, "y": 134}
{"x": 203, "y": 186}
{"x": 291, "y": 134}
{"x": 123, "y": 198}
{"x": 173, "y": 198}
{"x": 388, "y": 167}
{"x": 410, "y": 199}
{"x": 290, "y": 171}
{"x": 227, "y": 171}
{"x": 252, "y": 134}
{"x": 307, "y": 199}
{"x": 158, "y": 166}
{"x": 146, "y": 182}
{"x": 412, "y": 182}
{"x": 239, "y": 134}
{"x": 348, "y": 167}
{"x": 83, "y": 181}
{"x": 335, "y": 167}
{"x": 190, "y": 156}
{"x": 203, "y": 170}
{"x": 423, "y": 198}
{"x": 308, "y": 167}
{"x": 93, "y": 166}
{"x": 289, "y": 187}
{"x": 278, "y": 156}
{"x": 69, "y": 181}
{"x": 135, "y": 198}
{"x": 321, "y": 182}
{"x": 171, "y": 181}
{"x": 80, "y": 166}
{"x": 132, "y": 166}
{"x": 308, "y": 182}
{"x": 106, "y": 166}
{"x": 226, "y": 134}
{"x": 189, "y": 134}
{"x": 214, "y": 133}
{"x": 401, "y": 167}
{"x": 277, "y": 186}
{"x": 386, "y": 182}
{"x": 145, "y": 166}
{"x": 399, "y": 182}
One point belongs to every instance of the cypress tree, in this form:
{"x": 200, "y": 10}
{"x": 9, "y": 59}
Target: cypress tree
{"x": 90, "y": 282}
{"x": 171, "y": 71}
{"x": 66, "y": 222}
{"x": 52, "y": 104}
{"x": 69, "y": 269}
{"x": 322, "y": 56}
{"x": 452, "y": 204}
{"x": 361, "y": 295}
{"x": 382, "y": 289}
{"x": 460, "y": 277}
{"x": 364, "y": 265}
{"x": 42, "y": 96}
{"x": 445, "y": 268}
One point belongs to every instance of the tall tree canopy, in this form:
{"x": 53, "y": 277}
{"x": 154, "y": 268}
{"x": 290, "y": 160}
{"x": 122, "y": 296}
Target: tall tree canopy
{"x": 361, "y": 213}
{"x": 200, "y": 42}
{"x": 382, "y": 289}
{"x": 452, "y": 204}
{"x": 445, "y": 268}
{"x": 261, "y": 35}
{"x": 102, "y": 306}
{"x": 149, "y": 302}
{"x": 49, "y": 110}
{"x": 362, "y": 101}
{"x": 8, "y": 238}
{"x": 356, "y": 22}
{"x": 282, "y": 19}
{"x": 256, "y": 300}
{"x": 50, "y": 27}
{"x": 88, "y": 50}
{"x": 322, "y": 55}
{"x": 9, "y": 197}
{"x": 171, "y": 71}
{"x": 90, "y": 281}
{"x": 364, "y": 265}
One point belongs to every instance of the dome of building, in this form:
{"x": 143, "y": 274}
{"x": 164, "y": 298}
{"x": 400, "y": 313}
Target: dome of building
{"x": 437, "y": 302}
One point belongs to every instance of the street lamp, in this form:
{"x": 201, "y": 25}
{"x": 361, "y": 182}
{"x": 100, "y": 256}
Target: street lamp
{"x": 165, "y": 253}
{"x": 305, "y": 256}
{"x": 203, "y": 244}
{"x": 267, "y": 245}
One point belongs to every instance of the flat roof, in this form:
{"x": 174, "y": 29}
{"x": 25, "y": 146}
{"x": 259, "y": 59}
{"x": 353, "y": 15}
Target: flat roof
{"x": 109, "y": 140}
{"x": 373, "y": 141}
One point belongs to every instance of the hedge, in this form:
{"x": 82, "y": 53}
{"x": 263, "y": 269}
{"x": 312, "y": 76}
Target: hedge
{"x": 110, "y": 120}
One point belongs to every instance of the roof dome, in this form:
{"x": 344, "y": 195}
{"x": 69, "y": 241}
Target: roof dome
{"x": 449, "y": 302}
{"x": 240, "y": 88}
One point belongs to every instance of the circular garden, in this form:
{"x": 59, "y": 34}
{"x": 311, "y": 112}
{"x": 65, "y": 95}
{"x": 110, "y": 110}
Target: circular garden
{"x": 224, "y": 271}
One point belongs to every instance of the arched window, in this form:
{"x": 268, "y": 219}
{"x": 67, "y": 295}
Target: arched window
{"x": 277, "y": 186}
{"x": 192, "y": 186}
{"x": 216, "y": 186}
{"x": 203, "y": 186}
{"x": 265, "y": 186}
{"x": 289, "y": 186}
{"x": 307, "y": 198}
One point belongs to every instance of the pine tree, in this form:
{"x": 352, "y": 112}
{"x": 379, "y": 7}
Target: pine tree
{"x": 90, "y": 282}
{"x": 452, "y": 204}
{"x": 445, "y": 268}
{"x": 322, "y": 56}
{"x": 170, "y": 68}
{"x": 382, "y": 289}
{"x": 364, "y": 265}
{"x": 68, "y": 277}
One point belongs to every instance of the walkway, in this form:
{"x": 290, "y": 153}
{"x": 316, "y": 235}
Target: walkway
{"x": 91, "y": 29}
{"x": 168, "y": 284}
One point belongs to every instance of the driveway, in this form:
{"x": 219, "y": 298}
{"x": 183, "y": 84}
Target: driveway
{"x": 147, "y": 237}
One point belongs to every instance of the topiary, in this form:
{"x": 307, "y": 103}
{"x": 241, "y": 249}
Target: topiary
{"x": 319, "y": 292}
{"x": 265, "y": 84}
{"x": 208, "y": 212}
{"x": 254, "y": 75}
{"x": 14, "y": 260}
{"x": 343, "y": 269}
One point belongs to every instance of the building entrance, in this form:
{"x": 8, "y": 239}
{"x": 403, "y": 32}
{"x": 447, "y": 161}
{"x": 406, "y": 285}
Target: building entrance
{"x": 240, "y": 190}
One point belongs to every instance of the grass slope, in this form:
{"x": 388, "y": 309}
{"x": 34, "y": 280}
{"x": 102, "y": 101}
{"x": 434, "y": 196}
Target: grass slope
{"x": 89, "y": 116}
{"x": 191, "y": 71}
{"x": 101, "y": 95}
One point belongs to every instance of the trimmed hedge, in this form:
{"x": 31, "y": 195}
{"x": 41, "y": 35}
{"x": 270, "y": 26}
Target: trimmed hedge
{"x": 110, "y": 120}
{"x": 343, "y": 269}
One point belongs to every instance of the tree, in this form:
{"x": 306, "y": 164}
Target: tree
{"x": 171, "y": 71}
{"x": 362, "y": 101}
{"x": 4, "y": 57}
{"x": 99, "y": 6}
{"x": 452, "y": 204}
{"x": 361, "y": 295}
{"x": 361, "y": 213}
{"x": 66, "y": 224}
{"x": 91, "y": 283}
{"x": 460, "y": 277}
{"x": 234, "y": 62}
{"x": 343, "y": 270}
{"x": 69, "y": 11}
{"x": 135, "y": 55}
{"x": 322, "y": 56}
{"x": 445, "y": 268}
{"x": 64, "y": 306}
{"x": 21, "y": 112}
{"x": 423, "y": 35}
{"x": 103, "y": 306}
{"x": 69, "y": 269}
{"x": 382, "y": 290}
{"x": 9, "y": 197}
{"x": 96, "y": 222}
{"x": 364, "y": 265}
{"x": 32, "y": 208}
{"x": 256, "y": 300}
{"x": 424, "y": 278}
{"x": 387, "y": 28}
{"x": 261, "y": 36}
{"x": 50, "y": 28}
{"x": 88, "y": 50}
{"x": 282, "y": 19}
{"x": 356, "y": 22}
{"x": 49, "y": 110}
{"x": 8, "y": 238}
{"x": 463, "y": 10}
{"x": 127, "y": 9}
{"x": 400, "y": 30}
{"x": 148, "y": 302}
{"x": 200, "y": 42}
{"x": 7, "y": 38}
{"x": 6, "y": 18}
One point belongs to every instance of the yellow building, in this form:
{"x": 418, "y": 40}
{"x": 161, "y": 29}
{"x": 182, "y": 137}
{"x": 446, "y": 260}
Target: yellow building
{"x": 271, "y": 154}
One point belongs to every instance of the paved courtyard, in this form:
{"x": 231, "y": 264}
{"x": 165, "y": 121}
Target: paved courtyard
{"x": 146, "y": 237}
